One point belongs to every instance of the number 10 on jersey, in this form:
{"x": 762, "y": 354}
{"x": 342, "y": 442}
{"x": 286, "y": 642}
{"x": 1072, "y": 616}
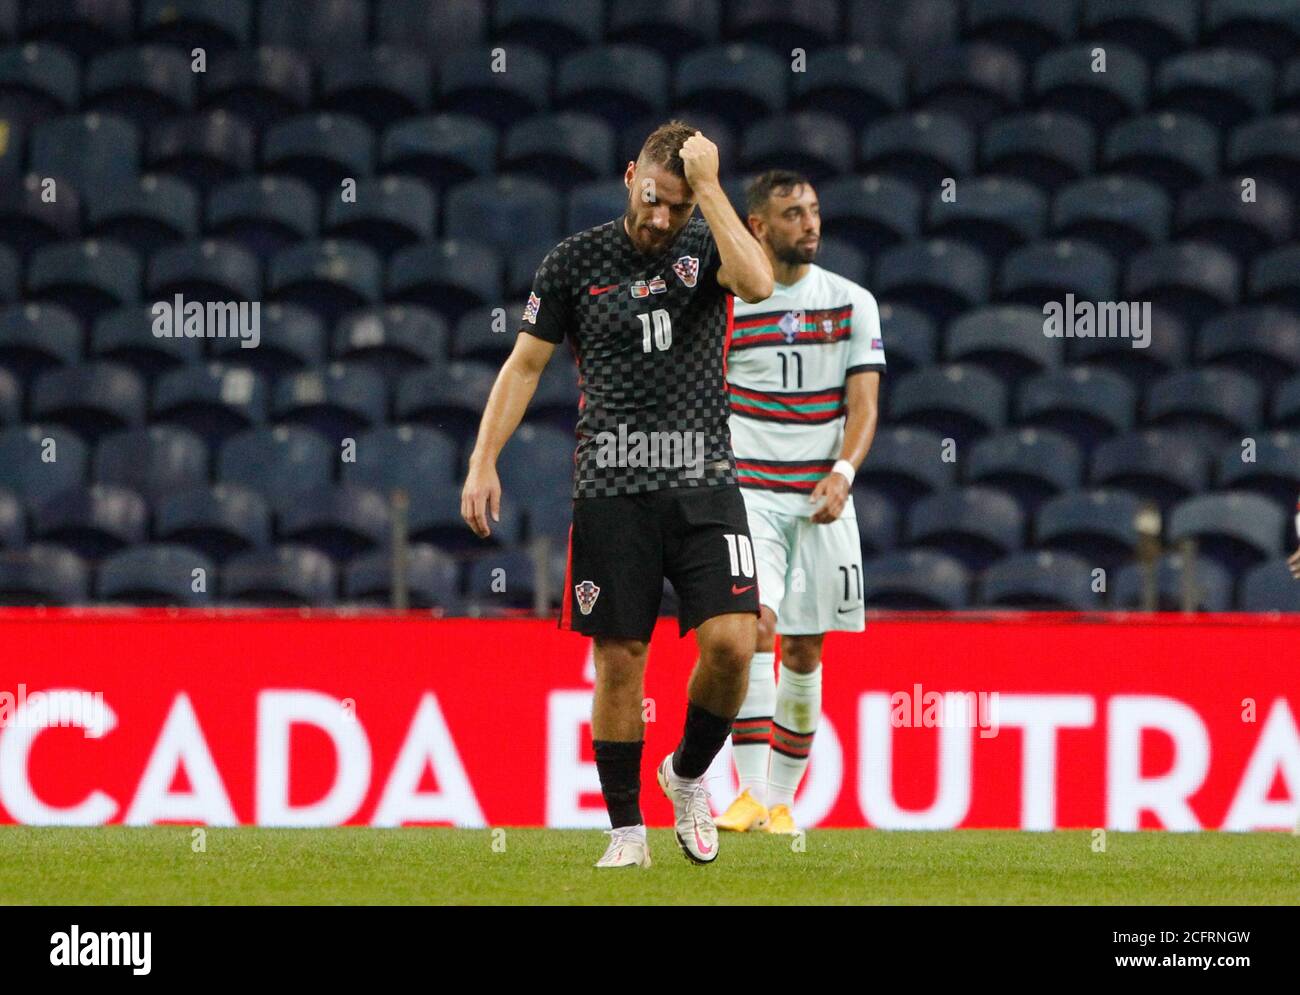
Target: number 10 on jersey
{"x": 656, "y": 330}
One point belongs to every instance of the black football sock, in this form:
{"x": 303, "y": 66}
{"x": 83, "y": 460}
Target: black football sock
{"x": 619, "y": 767}
{"x": 705, "y": 733}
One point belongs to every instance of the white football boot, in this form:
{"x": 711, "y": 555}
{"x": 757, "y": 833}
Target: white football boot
{"x": 627, "y": 848}
{"x": 696, "y": 833}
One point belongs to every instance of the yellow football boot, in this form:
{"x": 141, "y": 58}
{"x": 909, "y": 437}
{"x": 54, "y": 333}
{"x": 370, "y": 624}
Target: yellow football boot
{"x": 743, "y": 815}
{"x": 780, "y": 821}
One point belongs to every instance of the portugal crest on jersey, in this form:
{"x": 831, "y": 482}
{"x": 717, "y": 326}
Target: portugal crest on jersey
{"x": 586, "y": 593}
{"x": 687, "y": 269}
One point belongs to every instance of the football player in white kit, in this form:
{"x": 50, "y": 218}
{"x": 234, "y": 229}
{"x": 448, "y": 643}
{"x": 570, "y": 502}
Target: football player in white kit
{"x": 803, "y": 373}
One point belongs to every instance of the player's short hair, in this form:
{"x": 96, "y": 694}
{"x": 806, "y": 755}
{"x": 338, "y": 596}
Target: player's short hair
{"x": 759, "y": 190}
{"x": 663, "y": 146}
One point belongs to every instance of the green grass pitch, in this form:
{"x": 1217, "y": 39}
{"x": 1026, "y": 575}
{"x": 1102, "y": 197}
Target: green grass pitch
{"x": 247, "y": 866}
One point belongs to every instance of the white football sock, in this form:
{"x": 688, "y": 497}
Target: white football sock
{"x": 753, "y": 726}
{"x": 794, "y": 720}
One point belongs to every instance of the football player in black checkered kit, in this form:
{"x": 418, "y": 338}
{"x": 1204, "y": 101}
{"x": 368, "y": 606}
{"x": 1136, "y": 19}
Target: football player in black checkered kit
{"x": 645, "y": 302}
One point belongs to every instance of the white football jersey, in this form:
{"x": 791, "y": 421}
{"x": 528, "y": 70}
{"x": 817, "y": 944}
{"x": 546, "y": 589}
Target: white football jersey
{"x": 787, "y": 361}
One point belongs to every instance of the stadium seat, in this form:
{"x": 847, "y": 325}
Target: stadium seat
{"x": 203, "y": 149}
{"x": 502, "y": 580}
{"x": 1119, "y": 214}
{"x": 212, "y": 270}
{"x": 280, "y": 463}
{"x": 1086, "y": 403}
{"x": 1159, "y": 465}
{"x": 556, "y": 400}
{"x": 909, "y": 337}
{"x": 960, "y": 401}
{"x": 190, "y": 24}
{"x": 92, "y": 399}
{"x": 38, "y": 337}
{"x": 317, "y": 26}
{"x": 157, "y": 575}
{"x": 387, "y": 214}
{"x": 1262, "y": 342}
{"x": 435, "y": 29}
{"x": 736, "y": 81}
{"x": 432, "y": 579}
{"x": 1275, "y": 277}
{"x": 939, "y": 277}
{"x": 1222, "y": 86}
{"x": 554, "y": 26}
{"x": 1027, "y": 28}
{"x": 1099, "y": 526}
{"x": 1007, "y": 340}
{"x": 906, "y": 464}
{"x": 436, "y": 519}
{"x": 1046, "y": 148}
{"x": 1273, "y": 467}
{"x": 1029, "y": 464}
{"x": 1216, "y": 213}
{"x": 592, "y": 204}
{"x": 341, "y": 520}
{"x": 1047, "y": 271}
{"x": 450, "y": 276}
{"x": 145, "y": 213}
{"x": 1267, "y": 148}
{"x": 213, "y": 400}
{"x": 330, "y": 277}
{"x": 1041, "y": 581}
{"x": 337, "y": 400}
{"x": 1192, "y": 279}
{"x": 88, "y": 277}
{"x": 10, "y": 266}
{"x": 469, "y": 84}
{"x": 264, "y": 214}
{"x": 42, "y": 460}
{"x": 13, "y": 523}
{"x": 843, "y": 258}
{"x": 811, "y": 142}
{"x": 440, "y": 149}
{"x": 1208, "y": 585}
{"x": 539, "y": 458}
{"x": 391, "y": 340}
{"x": 1217, "y": 402}
{"x": 413, "y": 458}
{"x": 1285, "y": 410}
{"x": 671, "y": 27}
{"x": 871, "y": 212}
{"x": 487, "y": 333}
{"x": 154, "y": 461}
{"x": 878, "y": 522}
{"x": 549, "y": 517}
{"x": 292, "y": 339}
{"x": 974, "y": 81}
{"x": 522, "y": 267}
{"x": 853, "y": 83}
{"x": 378, "y": 85}
{"x": 1168, "y": 346}
{"x": 1065, "y": 80}
{"x": 780, "y": 26}
{"x": 974, "y": 525}
{"x": 1269, "y": 587}
{"x": 94, "y": 521}
{"x": 83, "y": 27}
{"x": 320, "y": 149}
{"x": 1156, "y": 28}
{"x": 919, "y": 147}
{"x": 1176, "y": 150}
{"x": 494, "y": 211}
{"x": 261, "y": 86}
{"x": 11, "y": 399}
{"x": 43, "y": 575}
{"x": 1271, "y": 29}
{"x": 288, "y": 575}
{"x": 916, "y": 579}
{"x": 617, "y": 83}
{"x": 28, "y": 220}
{"x": 996, "y": 213}
{"x": 142, "y": 83}
{"x": 1236, "y": 528}
{"x": 912, "y": 29}
{"x": 39, "y": 81}
{"x": 220, "y": 521}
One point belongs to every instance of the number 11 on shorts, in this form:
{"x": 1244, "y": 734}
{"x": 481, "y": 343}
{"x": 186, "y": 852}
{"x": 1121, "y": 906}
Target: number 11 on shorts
{"x": 741, "y": 553}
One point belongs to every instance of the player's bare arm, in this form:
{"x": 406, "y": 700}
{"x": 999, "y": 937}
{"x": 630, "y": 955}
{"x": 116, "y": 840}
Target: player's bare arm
{"x": 745, "y": 270}
{"x": 514, "y": 388}
{"x": 1294, "y": 563}
{"x": 861, "y": 396}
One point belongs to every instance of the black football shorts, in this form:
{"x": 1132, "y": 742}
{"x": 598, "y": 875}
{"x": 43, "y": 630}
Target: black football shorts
{"x": 621, "y": 548}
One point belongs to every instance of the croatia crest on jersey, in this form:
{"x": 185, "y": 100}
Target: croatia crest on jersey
{"x": 687, "y": 269}
{"x": 586, "y": 593}
{"x": 531, "y": 309}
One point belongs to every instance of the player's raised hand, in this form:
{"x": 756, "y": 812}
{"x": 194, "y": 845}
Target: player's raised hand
{"x": 831, "y": 492}
{"x": 699, "y": 160}
{"x": 1294, "y": 563}
{"x": 481, "y": 494}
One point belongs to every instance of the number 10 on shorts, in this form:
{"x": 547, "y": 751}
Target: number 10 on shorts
{"x": 742, "y": 555}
